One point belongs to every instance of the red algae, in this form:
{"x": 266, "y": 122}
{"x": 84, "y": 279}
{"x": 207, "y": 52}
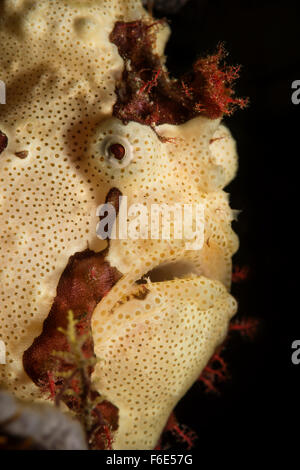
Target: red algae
{"x": 148, "y": 95}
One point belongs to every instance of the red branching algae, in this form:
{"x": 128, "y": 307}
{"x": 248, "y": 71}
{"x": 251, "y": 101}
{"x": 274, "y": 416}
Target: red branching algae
{"x": 108, "y": 436}
{"x": 51, "y": 384}
{"x": 180, "y": 431}
{"x": 246, "y": 327}
{"x": 147, "y": 87}
{"x": 240, "y": 274}
{"x": 212, "y": 81}
{"x": 146, "y": 93}
{"x": 214, "y": 372}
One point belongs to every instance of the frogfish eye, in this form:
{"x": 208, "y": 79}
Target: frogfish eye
{"x": 117, "y": 151}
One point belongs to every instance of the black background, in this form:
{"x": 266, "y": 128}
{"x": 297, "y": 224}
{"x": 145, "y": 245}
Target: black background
{"x": 260, "y": 403}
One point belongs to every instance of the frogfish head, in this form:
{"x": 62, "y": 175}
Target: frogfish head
{"x": 96, "y": 136}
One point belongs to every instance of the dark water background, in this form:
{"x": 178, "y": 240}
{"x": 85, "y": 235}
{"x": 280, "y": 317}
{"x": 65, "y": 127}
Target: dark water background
{"x": 260, "y": 403}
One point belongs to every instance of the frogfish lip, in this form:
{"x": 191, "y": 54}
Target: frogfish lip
{"x": 169, "y": 271}
{"x": 154, "y": 343}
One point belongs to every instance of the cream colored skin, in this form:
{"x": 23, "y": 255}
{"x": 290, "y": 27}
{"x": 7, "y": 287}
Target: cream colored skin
{"x": 60, "y": 71}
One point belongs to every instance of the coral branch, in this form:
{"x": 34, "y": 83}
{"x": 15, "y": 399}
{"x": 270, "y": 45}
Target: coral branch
{"x": 180, "y": 431}
{"x": 215, "y": 371}
{"x": 246, "y": 327}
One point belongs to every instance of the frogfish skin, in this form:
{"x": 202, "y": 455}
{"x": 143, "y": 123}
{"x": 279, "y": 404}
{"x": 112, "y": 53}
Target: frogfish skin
{"x": 92, "y": 114}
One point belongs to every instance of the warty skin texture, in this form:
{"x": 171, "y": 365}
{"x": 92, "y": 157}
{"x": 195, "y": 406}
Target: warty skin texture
{"x": 60, "y": 71}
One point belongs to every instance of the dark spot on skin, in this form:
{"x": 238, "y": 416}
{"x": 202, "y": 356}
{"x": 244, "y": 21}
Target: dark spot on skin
{"x": 118, "y": 151}
{"x": 3, "y": 141}
{"x": 113, "y": 198}
{"x": 22, "y": 155}
{"x": 142, "y": 294}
